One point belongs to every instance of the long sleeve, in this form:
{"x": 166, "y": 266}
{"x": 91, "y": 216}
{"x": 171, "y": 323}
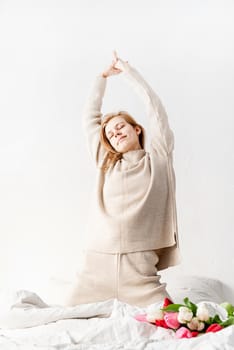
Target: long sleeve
{"x": 92, "y": 118}
{"x": 162, "y": 138}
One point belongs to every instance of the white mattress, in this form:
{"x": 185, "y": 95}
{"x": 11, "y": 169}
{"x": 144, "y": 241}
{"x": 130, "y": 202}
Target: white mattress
{"x": 114, "y": 328}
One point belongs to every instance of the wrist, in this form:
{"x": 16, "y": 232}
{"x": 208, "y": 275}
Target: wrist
{"x": 104, "y": 75}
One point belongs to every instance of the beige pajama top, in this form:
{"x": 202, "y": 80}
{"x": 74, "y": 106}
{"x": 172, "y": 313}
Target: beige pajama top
{"x": 134, "y": 207}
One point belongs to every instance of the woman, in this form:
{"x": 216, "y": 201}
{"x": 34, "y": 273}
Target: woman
{"x": 133, "y": 223}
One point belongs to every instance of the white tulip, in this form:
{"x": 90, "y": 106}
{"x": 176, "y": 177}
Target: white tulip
{"x": 152, "y": 308}
{"x": 185, "y": 314}
{"x": 154, "y": 315}
{"x": 201, "y": 326}
{"x": 202, "y": 313}
{"x": 195, "y": 324}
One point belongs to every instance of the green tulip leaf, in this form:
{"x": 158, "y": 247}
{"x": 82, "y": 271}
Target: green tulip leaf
{"x": 228, "y": 307}
{"x": 228, "y": 322}
{"x": 215, "y": 319}
{"x": 172, "y": 307}
{"x": 190, "y": 305}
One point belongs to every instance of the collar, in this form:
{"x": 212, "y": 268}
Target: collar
{"x": 134, "y": 156}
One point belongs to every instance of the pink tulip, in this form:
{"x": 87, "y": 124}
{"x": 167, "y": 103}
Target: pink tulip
{"x": 171, "y": 319}
{"x": 141, "y": 318}
{"x": 183, "y": 333}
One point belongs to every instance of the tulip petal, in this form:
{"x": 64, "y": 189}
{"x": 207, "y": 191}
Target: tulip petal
{"x": 171, "y": 319}
{"x": 194, "y": 333}
{"x": 141, "y": 318}
{"x": 167, "y": 302}
{"x": 215, "y": 327}
{"x": 183, "y": 332}
{"x": 161, "y": 323}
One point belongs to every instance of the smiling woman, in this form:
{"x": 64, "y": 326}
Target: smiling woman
{"x": 118, "y": 129}
{"x": 120, "y": 133}
{"x": 133, "y": 226}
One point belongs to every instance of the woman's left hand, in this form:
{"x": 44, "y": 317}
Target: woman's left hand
{"x": 112, "y": 70}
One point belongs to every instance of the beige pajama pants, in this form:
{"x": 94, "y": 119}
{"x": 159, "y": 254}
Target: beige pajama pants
{"x": 130, "y": 277}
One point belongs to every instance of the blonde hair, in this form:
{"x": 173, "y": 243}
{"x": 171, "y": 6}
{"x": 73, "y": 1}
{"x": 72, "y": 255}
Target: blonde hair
{"x": 112, "y": 155}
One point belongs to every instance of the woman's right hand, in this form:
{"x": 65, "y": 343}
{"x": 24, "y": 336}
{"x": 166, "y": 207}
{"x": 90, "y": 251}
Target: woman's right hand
{"x": 112, "y": 70}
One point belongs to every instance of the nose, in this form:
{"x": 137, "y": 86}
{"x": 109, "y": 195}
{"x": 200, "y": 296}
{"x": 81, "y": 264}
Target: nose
{"x": 117, "y": 132}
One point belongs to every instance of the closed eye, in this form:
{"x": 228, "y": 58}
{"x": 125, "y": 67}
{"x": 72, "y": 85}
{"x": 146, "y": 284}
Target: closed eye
{"x": 121, "y": 126}
{"x": 118, "y": 127}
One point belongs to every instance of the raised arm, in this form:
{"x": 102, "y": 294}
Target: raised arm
{"x": 92, "y": 113}
{"x": 162, "y": 138}
{"x": 92, "y": 118}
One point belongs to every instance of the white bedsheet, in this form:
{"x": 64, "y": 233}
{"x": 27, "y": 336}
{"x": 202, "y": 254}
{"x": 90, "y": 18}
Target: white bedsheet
{"x": 115, "y": 329}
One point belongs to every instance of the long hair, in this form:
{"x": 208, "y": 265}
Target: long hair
{"x": 112, "y": 155}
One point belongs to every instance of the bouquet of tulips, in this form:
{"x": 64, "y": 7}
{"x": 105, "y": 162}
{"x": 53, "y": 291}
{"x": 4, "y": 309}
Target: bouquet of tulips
{"x": 189, "y": 320}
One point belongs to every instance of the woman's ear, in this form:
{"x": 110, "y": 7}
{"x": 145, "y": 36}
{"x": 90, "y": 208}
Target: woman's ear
{"x": 138, "y": 130}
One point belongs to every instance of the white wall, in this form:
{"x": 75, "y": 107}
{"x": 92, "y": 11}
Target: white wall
{"x": 50, "y": 52}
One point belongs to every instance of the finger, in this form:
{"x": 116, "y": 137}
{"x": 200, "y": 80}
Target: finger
{"x": 115, "y": 55}
{"x": 117, "y": 70}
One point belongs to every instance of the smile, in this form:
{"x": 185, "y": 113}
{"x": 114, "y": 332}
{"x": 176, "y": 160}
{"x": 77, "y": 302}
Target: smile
{"x": 121, "y": 139}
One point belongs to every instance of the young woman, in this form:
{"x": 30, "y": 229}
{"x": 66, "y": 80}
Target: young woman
{"x": 133, "y": 225}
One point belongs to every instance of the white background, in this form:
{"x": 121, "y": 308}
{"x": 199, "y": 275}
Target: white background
{"x": 50, "y": 52}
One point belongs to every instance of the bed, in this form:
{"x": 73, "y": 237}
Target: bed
{"x": 27, "y": 322}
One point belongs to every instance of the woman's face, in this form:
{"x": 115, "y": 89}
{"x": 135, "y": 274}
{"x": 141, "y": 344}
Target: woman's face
{"x": 122, "y": 136}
